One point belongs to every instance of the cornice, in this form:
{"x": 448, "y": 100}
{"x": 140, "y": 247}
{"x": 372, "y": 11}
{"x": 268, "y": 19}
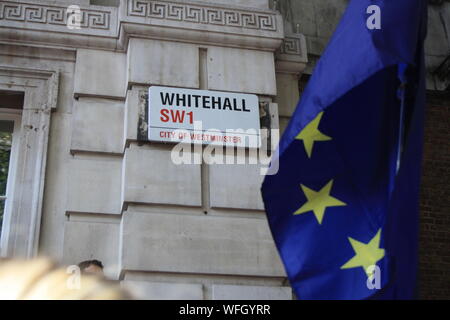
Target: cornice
{"x": 203, "y": 13}
{"x": 109, "y": 28}
{"x": 53, "y": 17}
{"x": 291, "y": 57}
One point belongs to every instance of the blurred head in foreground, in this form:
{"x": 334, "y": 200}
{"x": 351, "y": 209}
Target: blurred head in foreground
{"x": 42, "y": 279}
{"x": 91, "y": 267}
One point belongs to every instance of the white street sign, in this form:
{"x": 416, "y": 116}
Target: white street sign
{"x": 203, "y": 117}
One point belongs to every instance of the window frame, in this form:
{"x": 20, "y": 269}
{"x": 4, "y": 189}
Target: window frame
{"x": 15, "y": 116}
{"x": 40, "y": 88}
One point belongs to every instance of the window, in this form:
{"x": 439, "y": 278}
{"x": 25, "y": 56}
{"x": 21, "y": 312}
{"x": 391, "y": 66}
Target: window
{"x": 9, "y": 136}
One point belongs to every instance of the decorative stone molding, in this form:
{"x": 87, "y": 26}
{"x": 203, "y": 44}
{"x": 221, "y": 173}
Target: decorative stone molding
{"x": 200, "y": 14}
{"x": 201, "y": 22}
{"x": 291, "y": 45}
{"x": 292, "y": 56}
{"x": 111, "y": 27}
{"x": 51, "y": 17}
{"x": 52, "y": 14}
{"x": 40, "y": 87}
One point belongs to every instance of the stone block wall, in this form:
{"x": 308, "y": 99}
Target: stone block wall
{"x": 166, "y": 231}
{"x": 130, "y": 205}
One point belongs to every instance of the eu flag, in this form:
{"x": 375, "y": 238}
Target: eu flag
{"x": 343, "y": 205}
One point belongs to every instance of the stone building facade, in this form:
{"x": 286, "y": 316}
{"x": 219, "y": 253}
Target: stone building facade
{"x": 84, "y": 185}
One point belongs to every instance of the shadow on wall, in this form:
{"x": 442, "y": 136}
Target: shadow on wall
{"x": 106, "y": 3}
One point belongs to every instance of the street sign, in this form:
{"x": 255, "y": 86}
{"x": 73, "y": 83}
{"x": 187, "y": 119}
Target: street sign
{"x": 203, "y": 117}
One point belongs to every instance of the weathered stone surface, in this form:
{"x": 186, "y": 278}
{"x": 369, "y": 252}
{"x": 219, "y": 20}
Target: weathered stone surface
{"x": 94, "y": 184}
{"x": 288, "y": 93}
{"x": 110, "y": 3}
{"x": 292, "y": 56}
{"x": 235, "y": 23}
{"x": 98, "y": 125}
{"x": 301, "y": 13}
{"x": 445, "y": 10}
{"x": 71, "y": 2}
{"x": 85, "y": 240}
{"x": 327, "y": 16}
{"x": 52, "y": 20}
{"x": 150, "y": 176}
{"x": 224, "y": 24}
{"x": 144, "y": 290}
{"x": 53, "y": 219}
{"x": 100, "y": 73}
{"x": 154, "y": 62}
{"x": 131, "y": 115}
{"x": 232, "y": 292}
{"x": 261, "y": 4}
{"x": 315, "y": 19}
{"x": 198, "y": 244}
{"x": 241, "y": 70}
{"x": 437, "y": 41}
{"x": 284, "y": 122}
{"x": 236, "y": 186}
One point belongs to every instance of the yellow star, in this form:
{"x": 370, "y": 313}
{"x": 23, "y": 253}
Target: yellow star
{"x": 366, "y": 255}
{"x": 318, "y": 201}
{"x": 311, "y": 134}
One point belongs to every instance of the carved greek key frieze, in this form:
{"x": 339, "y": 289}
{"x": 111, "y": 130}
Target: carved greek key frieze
{"x": 199, "y": 14}
{"x": 53, "y": 15}
{"x": 291, "y": 46}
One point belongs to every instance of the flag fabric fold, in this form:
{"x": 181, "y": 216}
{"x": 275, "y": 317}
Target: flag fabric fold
{"x": 343, "y": 206}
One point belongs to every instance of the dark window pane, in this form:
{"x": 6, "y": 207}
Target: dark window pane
{"x": 6, "y": 126}
{"x": 2, "y": 208}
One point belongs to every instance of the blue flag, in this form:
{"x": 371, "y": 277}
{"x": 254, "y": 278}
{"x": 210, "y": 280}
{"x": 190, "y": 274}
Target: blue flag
{"x": 343, "y": 205}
